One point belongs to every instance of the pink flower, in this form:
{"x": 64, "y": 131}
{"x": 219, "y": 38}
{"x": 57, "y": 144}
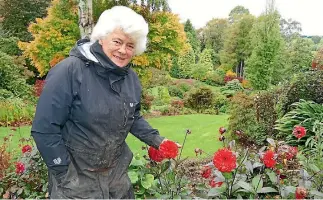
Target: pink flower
{"x": 299, "y": 131}
{"x": 20, "y": 168}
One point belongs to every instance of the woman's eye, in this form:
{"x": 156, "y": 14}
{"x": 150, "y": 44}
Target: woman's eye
{"x": 117, "y": 42}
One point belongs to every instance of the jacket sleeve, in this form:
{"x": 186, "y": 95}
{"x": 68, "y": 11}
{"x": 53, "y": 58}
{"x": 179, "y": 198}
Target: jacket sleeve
{"x": 52, "y": 111}
{"x": 143, "y": 131}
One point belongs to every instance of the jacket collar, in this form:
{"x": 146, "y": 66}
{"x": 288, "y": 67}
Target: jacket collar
{"x": 107, "y": 65}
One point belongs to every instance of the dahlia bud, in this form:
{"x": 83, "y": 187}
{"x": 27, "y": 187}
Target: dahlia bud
{"x": 221, "y": 138}
{"x": 222, "y": 130}
{"x": 188, "y": 131}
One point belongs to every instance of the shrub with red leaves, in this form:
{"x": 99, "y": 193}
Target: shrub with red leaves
{"x": 38, "y": 87}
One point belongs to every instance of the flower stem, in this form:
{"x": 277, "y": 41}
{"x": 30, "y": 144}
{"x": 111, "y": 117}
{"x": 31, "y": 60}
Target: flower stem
{"x": 179, "y": 157}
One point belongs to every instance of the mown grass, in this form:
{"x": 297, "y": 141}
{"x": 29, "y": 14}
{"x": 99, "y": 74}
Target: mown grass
{"x": 204, "y": 134}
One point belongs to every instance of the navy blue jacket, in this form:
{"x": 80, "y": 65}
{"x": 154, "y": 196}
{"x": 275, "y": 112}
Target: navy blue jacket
{"x": 89, "y": 106}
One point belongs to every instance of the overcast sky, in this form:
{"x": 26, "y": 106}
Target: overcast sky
{"x": 308, "y": 12}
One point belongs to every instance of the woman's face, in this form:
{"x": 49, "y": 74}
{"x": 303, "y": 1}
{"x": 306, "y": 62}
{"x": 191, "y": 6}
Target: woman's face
{"x": 119, "y": 47}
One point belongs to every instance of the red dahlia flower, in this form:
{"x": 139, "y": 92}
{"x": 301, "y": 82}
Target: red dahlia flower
{"x": 299, "y": 131}
{"x": 268, "y": 159}
{"x": 169, "y": 149}
{"x": 224, "y": 160}
{"x": 213, "y": 184}
{"x": 155, "y": 154}
{"x": 26, "y": 148}
{"x": 206, "y": 172}
{"x": 300, "y": 193}
{"x": 20, "y": 168}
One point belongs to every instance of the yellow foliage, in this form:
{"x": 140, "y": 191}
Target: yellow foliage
{"x": 141, "y": 60}
{"x": 246, "y": 84}
{"x": 230, "y": 73}
{"x": 54, "y": 35}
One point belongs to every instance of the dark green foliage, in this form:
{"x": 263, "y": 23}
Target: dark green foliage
{"x": 200, "y": 99}
{"x": 9, "y": 46}
{"x": 266, "y": 115}
{"x": 243, "y": 118}
{"x": 12, "y": 78}
{"x": 18, "y": 14}
{"x": 303, "y": 113}
{"x": 307, "y": 86}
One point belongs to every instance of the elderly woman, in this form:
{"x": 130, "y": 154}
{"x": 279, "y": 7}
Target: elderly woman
{"x": 91, "y": 100}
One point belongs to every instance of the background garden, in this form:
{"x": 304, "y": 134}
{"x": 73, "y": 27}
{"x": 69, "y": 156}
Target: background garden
{"x": 248, "y": 88}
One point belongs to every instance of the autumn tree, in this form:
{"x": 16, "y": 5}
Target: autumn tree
{"x": 265, "y": 65}
{"x": 54, "y": 35}
{"x": 166, "y": 38}
{"x": 17, "y": 14}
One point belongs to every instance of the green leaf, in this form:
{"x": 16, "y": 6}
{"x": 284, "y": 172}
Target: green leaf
{"x": 257, "y": 182}
{"x": 249, "y": 167}
{"x": 133, "y": 176}
{"x": 227, "y": 175}
{"x": 20, "y": 190}
{"x": 137, "y": 162}
{"x": 271, "y": 142}
{"x": 285, "y": 191}
{"x": 147, "y": 181}
{"x": 165, "y": 166}
{"x": 314, "y": 168}
{"x": 267, "y": 190}
{"x": 214, "y": 192}
{"x": 316, "y": 193}
{"x": 245, "y": 186}
{"x": 272, "y": 177}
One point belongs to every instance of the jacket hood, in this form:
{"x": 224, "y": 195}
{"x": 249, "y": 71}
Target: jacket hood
{"x": 92, "y": 52}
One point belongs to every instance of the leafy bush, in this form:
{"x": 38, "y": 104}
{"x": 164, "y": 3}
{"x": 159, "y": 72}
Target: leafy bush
{"x": 28, "y": 179}
{"x": 15, "y": 110}
{"x": 200, "y": 99}
{"x": 307, "y": 86}
{"x": 9, "y": 46}
{"x": 265, "y": 102}
{"x": 5, "y": 94}
{"x": 304, "y": 113}
{"x": 231, "y": 88}
{"x": 175, "y": 91}
{"x": 159, "y": 78}
{"x": 146, "y": 100}
{"x": 243, "y": 118}
{"x": 220, "y": 103}
{"x": 160, "y": 94}
{"x": 12, "y": 77}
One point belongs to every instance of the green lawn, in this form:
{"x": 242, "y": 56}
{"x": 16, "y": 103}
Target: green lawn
{"x": 204, "y": 132}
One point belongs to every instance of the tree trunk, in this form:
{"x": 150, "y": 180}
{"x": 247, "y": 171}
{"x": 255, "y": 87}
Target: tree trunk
{"x": 85, "y": 18}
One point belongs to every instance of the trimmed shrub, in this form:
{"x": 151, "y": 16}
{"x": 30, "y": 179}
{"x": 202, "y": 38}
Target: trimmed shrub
{"x": 9, "y": 46}
{"x": 200, "y": 99}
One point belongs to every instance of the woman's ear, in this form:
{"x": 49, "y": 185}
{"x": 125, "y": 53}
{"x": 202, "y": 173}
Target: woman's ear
{"x": 100, "y": 42}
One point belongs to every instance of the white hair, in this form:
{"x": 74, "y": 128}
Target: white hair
{"x": 128, "y": 21}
